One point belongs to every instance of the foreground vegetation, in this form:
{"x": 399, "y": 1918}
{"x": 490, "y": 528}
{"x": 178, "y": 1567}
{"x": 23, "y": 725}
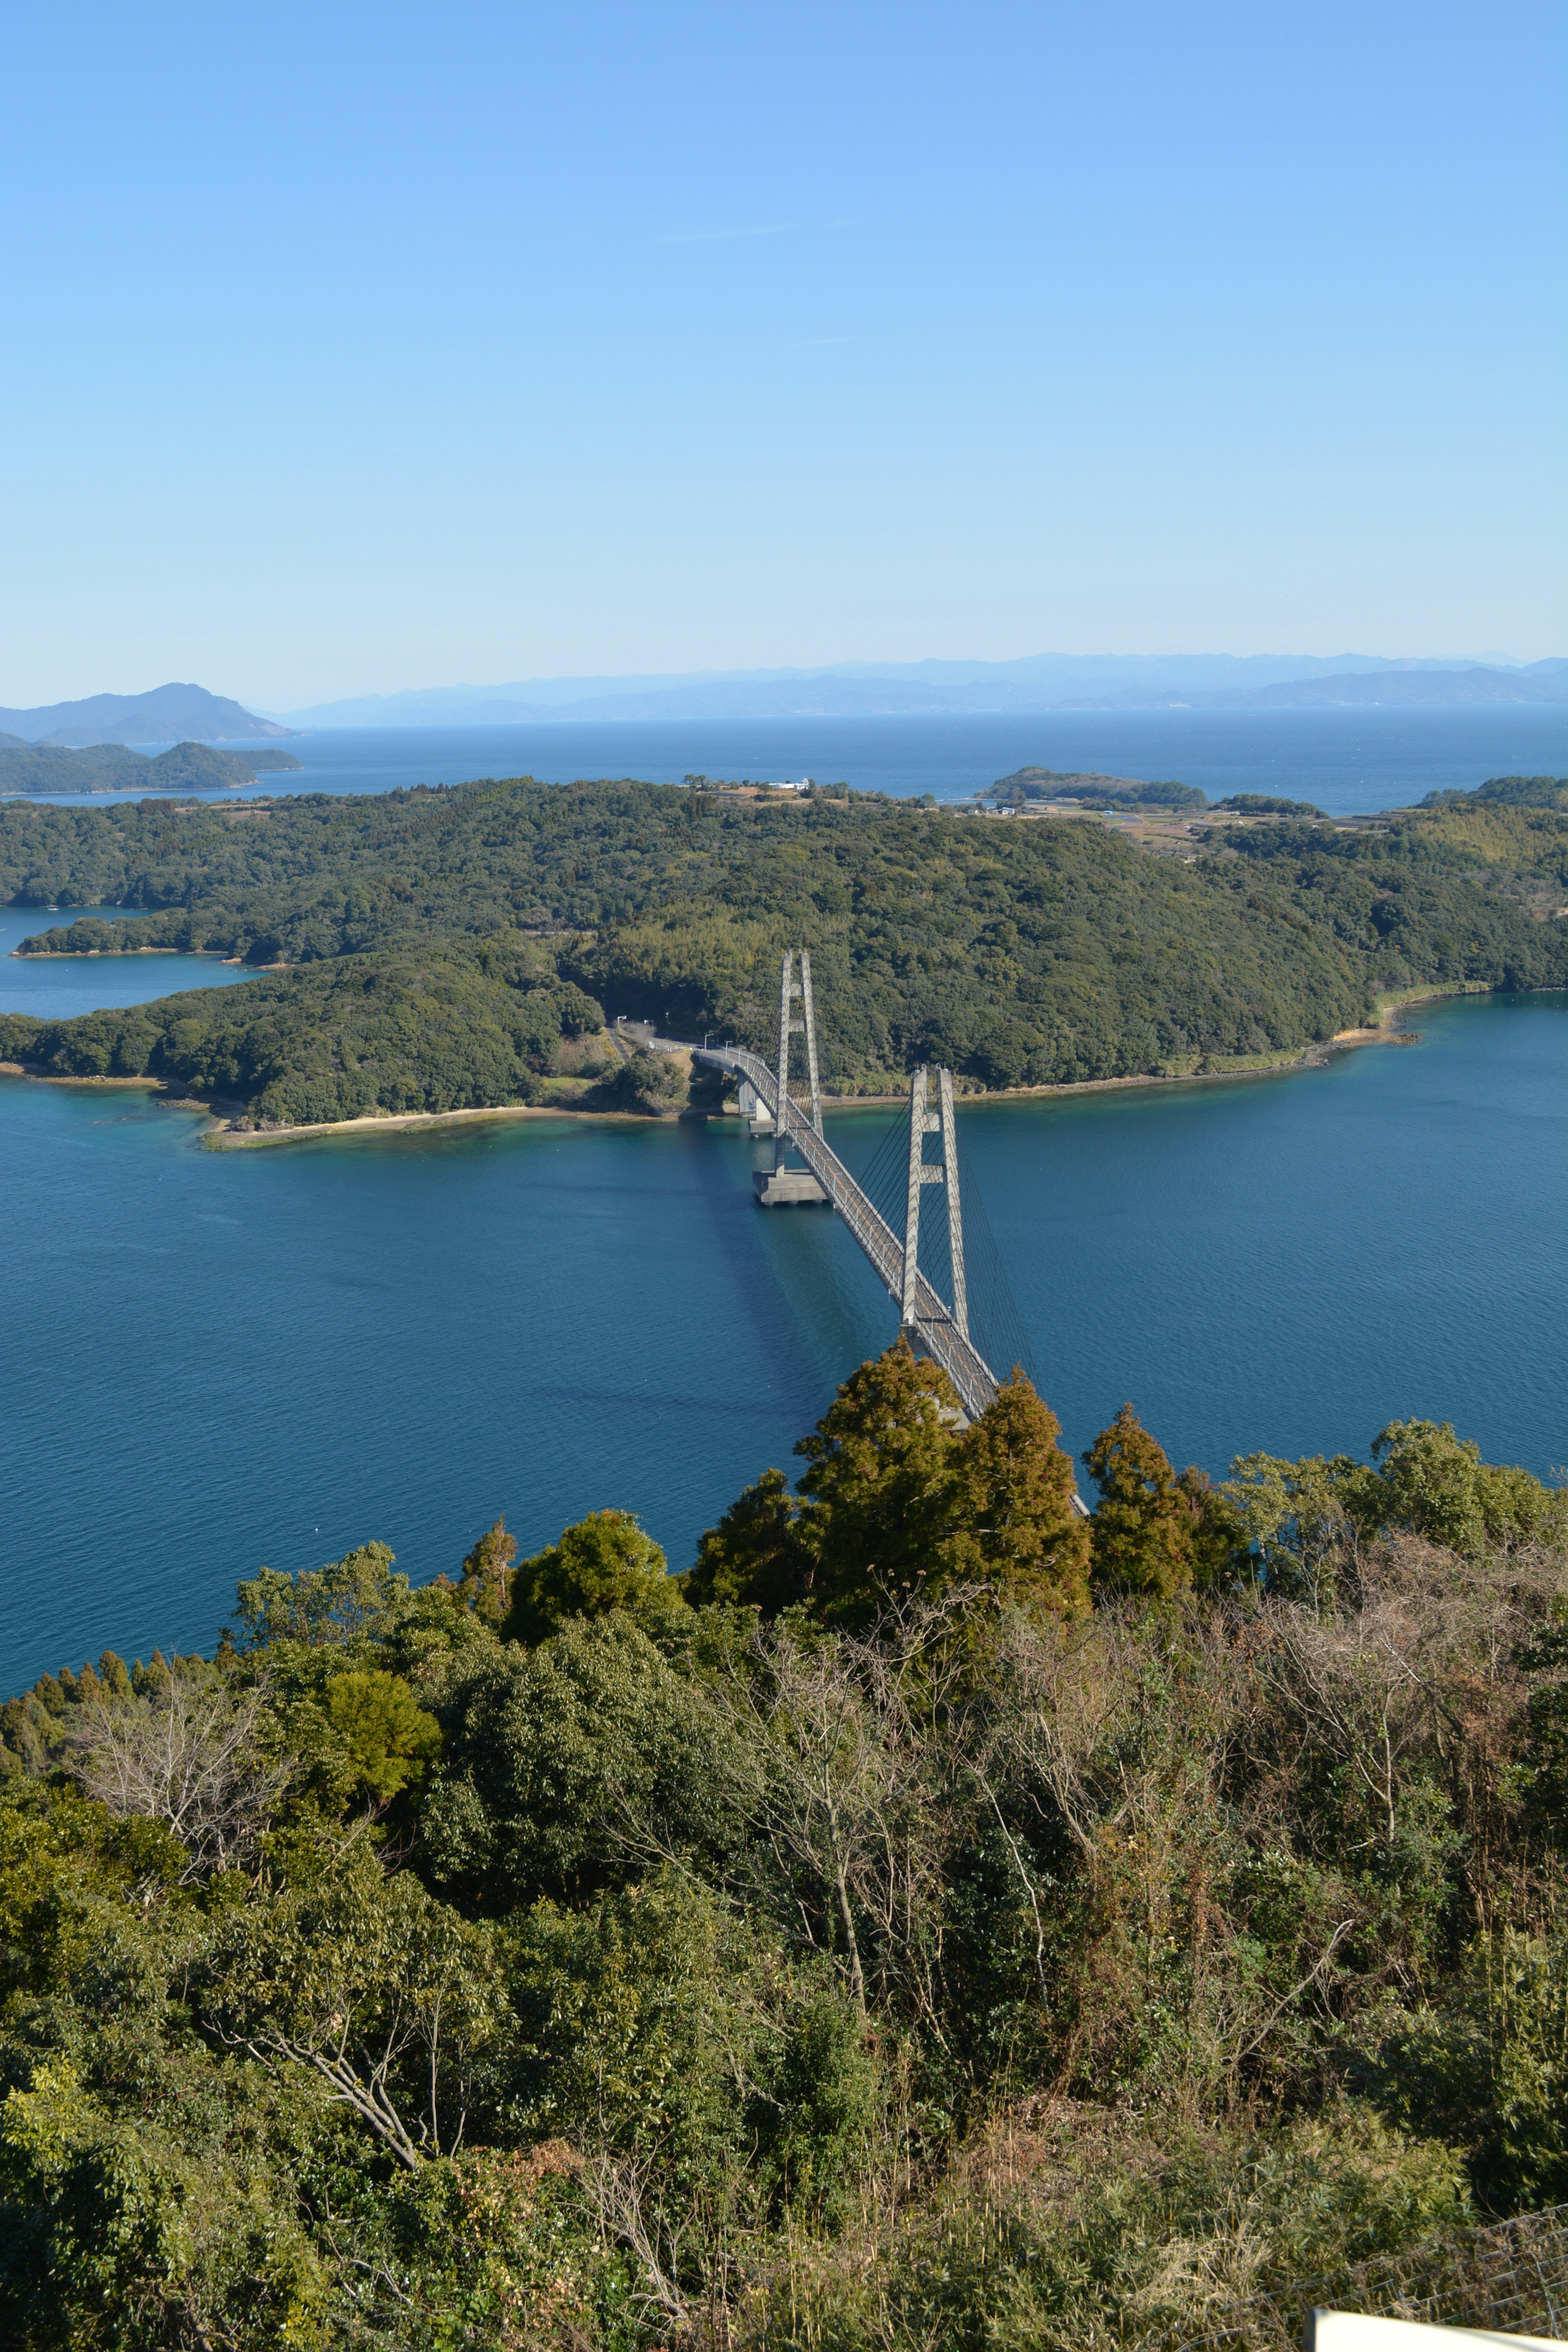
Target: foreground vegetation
{"x": 936, "y": 1919}
{"x": 426, "y": 934}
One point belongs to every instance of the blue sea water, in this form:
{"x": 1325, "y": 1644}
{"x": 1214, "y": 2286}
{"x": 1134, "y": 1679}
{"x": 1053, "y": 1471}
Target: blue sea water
{"x": 54, "y": 988}
{"x": 208, "y": 1360}
{"x": 1346, "y": 761}
{"x": 213, "y": 1360}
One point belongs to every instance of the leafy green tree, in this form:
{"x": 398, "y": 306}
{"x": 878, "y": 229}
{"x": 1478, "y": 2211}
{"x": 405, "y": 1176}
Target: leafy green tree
{"x": 878, "y": 1482}
{"x": 1305, "y": 1519}
{"x": 1011, "y": 1505}
{"x": 1143, "y": 1536}
{"x": 1485, "y": 2067}
{"x": 1437, "y": 1485}
{"x": 1298, "y": 1518}
{"x": 571, "y": 1768}
{"x": 648, "y": 1082}
{"x": 345, "y": 1603}
{"x": 658, "y": 2023}
{"x": 389, "y": 1739}
{"x": 486, "y": 1586}
{"x": 113, "y": 1676}
{"x": 148, "y": 2221}
{"x": 634, "y": 2016}
{"x": 603, "y": 1563}
{"x": 366, "y": 1989}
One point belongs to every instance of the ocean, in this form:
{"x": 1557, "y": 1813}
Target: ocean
{"x": 213, "y": 1360}
{"x": 1345, "y": 762}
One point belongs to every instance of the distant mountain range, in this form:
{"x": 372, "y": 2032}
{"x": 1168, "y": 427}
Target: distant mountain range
{"x": 939, "y": 688}
{"x": 1546, "y": 682}
{"x": 169, "y": 714}
{"x": 1041, "y": 682}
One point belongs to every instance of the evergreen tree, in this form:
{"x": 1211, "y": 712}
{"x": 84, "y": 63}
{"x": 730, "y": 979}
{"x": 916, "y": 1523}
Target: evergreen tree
{"x": 1144, "y": 1534}
{"x": 387, "y": 1738}
{"x": 880, "y": 1482}
{"x": 1219, "y": 1537}
{"x": 1011, "y": 1505}
{"x": 759, "y": 1554}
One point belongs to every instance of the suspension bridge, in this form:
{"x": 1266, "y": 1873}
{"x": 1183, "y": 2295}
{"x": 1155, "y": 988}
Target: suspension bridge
{"x": 938, "y": 1326}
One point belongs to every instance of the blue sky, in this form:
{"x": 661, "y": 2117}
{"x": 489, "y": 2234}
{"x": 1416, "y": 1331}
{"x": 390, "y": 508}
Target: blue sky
{"x": 360, "y": 347}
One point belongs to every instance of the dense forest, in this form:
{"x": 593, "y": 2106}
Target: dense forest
{"x": 934, "y": 1920}
{"x": 1034, "y": 953}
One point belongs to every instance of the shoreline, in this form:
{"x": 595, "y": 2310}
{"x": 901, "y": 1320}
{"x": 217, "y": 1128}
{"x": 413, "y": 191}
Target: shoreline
{"x": 221, "y": 1135}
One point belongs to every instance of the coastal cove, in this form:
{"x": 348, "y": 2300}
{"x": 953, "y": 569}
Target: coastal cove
{"x": 400, "y": 1334}
{"x": 222, "y": 1131}
{"x": 224, "y": 1135}
{"x": 56, "y": 987}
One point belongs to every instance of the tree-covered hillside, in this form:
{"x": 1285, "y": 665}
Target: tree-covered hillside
{"x": 1022, "y": 952}
{"x": 425, "y": 1029}
{"x": 933, "y": 1921}
{"x": 1508, "y": 791}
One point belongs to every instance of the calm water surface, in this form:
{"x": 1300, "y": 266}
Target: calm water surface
{"x": 213, "y": 1360}
{"x": 55, "y": 988}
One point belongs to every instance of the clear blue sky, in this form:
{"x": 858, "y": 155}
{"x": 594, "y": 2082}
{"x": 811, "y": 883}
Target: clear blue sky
{"x": 356, "y": 347}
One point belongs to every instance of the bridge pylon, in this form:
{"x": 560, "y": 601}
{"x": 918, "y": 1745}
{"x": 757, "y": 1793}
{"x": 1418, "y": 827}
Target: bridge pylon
{"x": 926, "y": 1121}
{"x": 787, "y": 1185}
{"x": 940, "y": 1331}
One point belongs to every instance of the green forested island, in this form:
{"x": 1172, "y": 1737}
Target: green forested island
{"x": 426, "y": 934}
{"x": 1026, "y": 784}
{"x": 934, "y": 1920}
{"x": 116, "y": 768}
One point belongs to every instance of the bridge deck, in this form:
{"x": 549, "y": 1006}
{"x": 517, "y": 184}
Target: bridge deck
{"x": 967, "y": 1369}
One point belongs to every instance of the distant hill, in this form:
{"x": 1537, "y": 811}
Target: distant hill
{"x": 1406, "y": 686}
{"x": 1541, "y": 682}
{"x": 167, "y": 714}
{"x": 115, "y": 767}
{"x": 1507, "y": 792}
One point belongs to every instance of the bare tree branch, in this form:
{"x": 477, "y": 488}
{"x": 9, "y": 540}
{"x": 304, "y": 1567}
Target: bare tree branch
{"x": 191, "y": 1757}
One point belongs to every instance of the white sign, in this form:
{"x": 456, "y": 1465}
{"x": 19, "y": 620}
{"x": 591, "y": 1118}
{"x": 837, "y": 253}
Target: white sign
{"x": 1345, "y": 2331}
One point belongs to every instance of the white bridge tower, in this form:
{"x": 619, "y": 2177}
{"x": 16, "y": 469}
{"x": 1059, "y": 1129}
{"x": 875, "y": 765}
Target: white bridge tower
{"x": 942, "y": 1171}
{"x": 786, "y": 1186}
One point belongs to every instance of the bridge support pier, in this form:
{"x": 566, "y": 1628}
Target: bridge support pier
{"x": 787, "y": 1188}
{"x": 759, "y": 1118}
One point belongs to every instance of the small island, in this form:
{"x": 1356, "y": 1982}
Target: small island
{"x": 1027, "y": 785}
{"x": 116, "y": 768}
